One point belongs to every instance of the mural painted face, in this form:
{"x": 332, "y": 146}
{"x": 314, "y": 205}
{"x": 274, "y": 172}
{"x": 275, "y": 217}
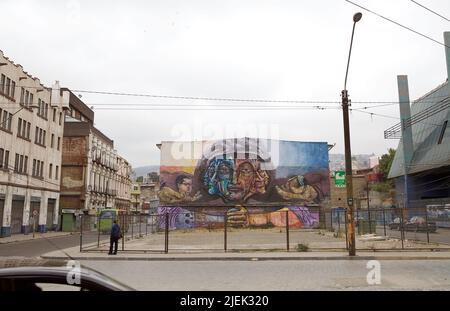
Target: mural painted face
{"x": 185, "y": 186}
{"x": 235, "y": 186}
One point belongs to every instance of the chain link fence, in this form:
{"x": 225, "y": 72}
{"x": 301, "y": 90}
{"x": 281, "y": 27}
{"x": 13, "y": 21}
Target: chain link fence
{"x": 289, "y": 229}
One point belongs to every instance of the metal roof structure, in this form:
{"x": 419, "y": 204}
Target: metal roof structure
{"x": 431, "y": 136}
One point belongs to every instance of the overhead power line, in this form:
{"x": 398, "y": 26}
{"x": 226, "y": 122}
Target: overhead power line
{"x": 428, "y": 9}
{"x": 398, "y": 24}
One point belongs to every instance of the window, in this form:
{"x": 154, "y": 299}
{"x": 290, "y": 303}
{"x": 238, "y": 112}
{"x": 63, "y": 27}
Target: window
{"x": 6, "y": 162}
{"x": 13, "y": 88}
{"x": 2, "y": 83}
{"x": 9, "y": 121}
{"x": 50, "y": 171}
{"x": 25, "y": 165}
{"x": 46, "y": 111}
{"x": 8, "y": 84}
{"x": 36, "y": 135}
{"x": 2, "y": 153}
{"x": 28, "y": 130}
{"x": 19, "y": 127}
{"x": 24, "y": 129}
{"x": 31, "y": 100}
{"x": 34, "y": 168}
{"x": 57, "y": 172}
{"x": 52, "y": 141}
{"x": 54, "y": 114}
{"x": 39, "y": 106}
{"x": 60, "y": 118}
{"x": 27, "y": 98}
{"x": 59, "y": 142}
{"x": 43, "y": 137}
{"x": 21, "y": 164}
{"x": 22, "y": 96}
{"x": 16, "y": 162}
{"x": 441, "y": 136}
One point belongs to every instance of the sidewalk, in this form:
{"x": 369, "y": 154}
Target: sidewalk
{"x": 215, "y": 255}
{"x": 27, "y": 237}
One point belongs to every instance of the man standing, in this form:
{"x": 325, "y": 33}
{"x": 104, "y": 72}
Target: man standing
{"x": 115, "y": 236}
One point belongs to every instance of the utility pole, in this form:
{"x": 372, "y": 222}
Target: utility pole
{"x": 348, "y": 153}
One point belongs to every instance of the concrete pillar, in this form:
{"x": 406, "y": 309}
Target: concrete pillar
{"x": 43, "y": 213}
{"x": 26, "y": 212}
{"x": 6, "y": 223}
{"x": 447, "y": 51}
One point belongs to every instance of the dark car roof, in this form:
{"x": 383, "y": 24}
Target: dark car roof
{"x": 48, "y": 270}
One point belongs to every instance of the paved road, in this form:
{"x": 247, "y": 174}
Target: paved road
{"x": 38, "y": 247}
{"x": 275, "y": 275}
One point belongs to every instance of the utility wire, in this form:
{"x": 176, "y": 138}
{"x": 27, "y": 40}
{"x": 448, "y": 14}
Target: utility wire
{"x": 398, "y": 24}
{"x": 428, "y": 9}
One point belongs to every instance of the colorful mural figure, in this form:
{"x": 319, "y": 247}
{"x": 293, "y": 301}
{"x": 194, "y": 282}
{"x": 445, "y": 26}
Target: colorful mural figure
{"x": 296, "y": 189}
{"x": 240, "y": 179}
{"x": 182, "y": 194}
{"x": 235, "y": 185}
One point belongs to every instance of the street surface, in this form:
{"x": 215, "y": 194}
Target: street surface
{"x": 275, "y": 275}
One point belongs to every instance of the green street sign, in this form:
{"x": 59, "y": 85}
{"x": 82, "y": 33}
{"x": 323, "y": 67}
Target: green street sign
{"x": 339, "y": 179}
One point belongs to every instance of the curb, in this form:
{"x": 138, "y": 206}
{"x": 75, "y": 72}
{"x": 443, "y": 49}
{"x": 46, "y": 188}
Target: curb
{"x": 34, "y": 239}
{"x": 254, "y": 258}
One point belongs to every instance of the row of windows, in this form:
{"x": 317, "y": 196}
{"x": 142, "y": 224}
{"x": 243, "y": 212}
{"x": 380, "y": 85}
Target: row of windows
{"x": 38, "y": 170}
{"x": 7, "y": 86}
{"x": 23, "y": 129}
{"x": 21, "y": 164}
{"x": 39, "y": 136}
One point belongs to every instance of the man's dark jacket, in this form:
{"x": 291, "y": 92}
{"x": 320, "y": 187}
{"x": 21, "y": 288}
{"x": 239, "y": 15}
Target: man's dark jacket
{"x": 115, "y": 231}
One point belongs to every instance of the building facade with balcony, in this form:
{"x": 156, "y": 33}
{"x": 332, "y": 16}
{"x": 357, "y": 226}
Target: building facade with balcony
{"x": 31, "y": 131}
{"x": 123, "y": 179}
{"x": 93, "y": 174}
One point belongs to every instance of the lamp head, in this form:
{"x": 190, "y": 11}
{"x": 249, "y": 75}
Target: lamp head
{"x": 357, "y": 17}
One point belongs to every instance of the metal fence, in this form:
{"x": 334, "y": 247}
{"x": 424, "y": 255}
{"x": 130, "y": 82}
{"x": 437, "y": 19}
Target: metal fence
{"x": 414, "y": 228}
{"x": 287, "y": 229}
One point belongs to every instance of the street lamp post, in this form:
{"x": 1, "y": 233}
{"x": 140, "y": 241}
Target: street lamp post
{"x": 348, "y": 153}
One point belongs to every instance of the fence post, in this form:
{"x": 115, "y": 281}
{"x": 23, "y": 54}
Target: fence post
{"x": 339, "y": 222}
{"x": 384, "y": 220}
{"x": 140, "y": 221}
{"x": 402, "y": 232}
{"x": 123, "y": 232}
{"x": 331, "y": 219}
{"x": 146, "y": 224}
{"x": 225, "y": 229}
{"x": 287, "y": 230}
{"x": 132, "y": 225}
{"x": 166, "y": 249}
{"x": 98, "y": 231}
{"x": 346, "y": 233}
{"x": 426, "y": 220}
{"x": 81, "y": 234}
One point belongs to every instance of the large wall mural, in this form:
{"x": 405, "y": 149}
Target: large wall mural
{"x": 249, "y": 181}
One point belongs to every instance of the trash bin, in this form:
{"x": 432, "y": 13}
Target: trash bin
{"x": 366, "y": 227}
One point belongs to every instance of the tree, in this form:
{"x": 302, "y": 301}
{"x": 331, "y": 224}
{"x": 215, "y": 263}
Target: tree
{"x": 386, "y": 162}
{"x": 140, "y": 179}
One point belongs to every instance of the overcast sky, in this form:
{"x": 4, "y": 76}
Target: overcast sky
{"x": 280, "y": 50}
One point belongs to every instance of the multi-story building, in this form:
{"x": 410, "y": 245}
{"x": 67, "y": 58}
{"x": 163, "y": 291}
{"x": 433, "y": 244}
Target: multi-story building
{"x": 123, "y": 179}
{"x": 31, "y": 131}
{"x": 93, "y": 175}
{"x": 421, "y": 166}
{"x": 149, "y": 193}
